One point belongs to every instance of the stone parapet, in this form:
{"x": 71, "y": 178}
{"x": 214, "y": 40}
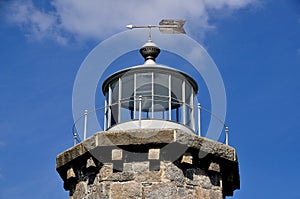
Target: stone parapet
{"x": 149, "y": 163}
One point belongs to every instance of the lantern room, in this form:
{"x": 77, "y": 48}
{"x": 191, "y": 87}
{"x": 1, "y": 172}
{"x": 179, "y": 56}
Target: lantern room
{"x": 149, "y": 96}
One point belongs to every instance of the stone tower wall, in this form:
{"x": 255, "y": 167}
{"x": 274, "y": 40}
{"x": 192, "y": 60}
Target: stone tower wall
{"x": 137, "y": 180}
{"x": 164, "y": 163}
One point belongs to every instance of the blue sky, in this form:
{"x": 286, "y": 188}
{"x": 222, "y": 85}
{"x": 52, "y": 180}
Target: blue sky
{"x": 255, "y": 45}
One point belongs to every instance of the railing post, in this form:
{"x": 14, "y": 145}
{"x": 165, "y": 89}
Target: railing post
{"x": 85, "y": 124}
{"x": 226, "y": 135}
{"x": 199, "y": 119}
{"x": 75, "y": 138}
{"x": 140, "y": 110}
{"x": 105, "y": 115}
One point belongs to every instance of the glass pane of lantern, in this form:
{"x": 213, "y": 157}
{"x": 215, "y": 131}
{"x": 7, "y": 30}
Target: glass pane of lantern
{"x": 188, "y": 116}
{"x": 127, "y": 86}
{"x": 161, "y": 94}
{"x": 126, "y": 114}
{"x": 114, "y": 114}
{"x": 176, "y": 87}
{"x": 161, "y": 104}
{"x": 161, "y": 84}
{"x": 144, "y": 89}
{"x": 176, "y": 112}
{"x": 127, "y": 93}
{"x": 188, "y": 92}
{"x": 115, "y": 91}
{"x": 144, "y": 84}
{"x": 146, "y": 104}
{"x": 106, "y": 111}
{"x": 179, "y": 113}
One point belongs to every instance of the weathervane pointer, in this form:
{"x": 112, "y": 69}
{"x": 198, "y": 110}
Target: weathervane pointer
{"x": 166, "y": 26}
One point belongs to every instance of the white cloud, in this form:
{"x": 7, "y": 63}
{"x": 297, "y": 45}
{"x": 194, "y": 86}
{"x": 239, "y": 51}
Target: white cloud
{"x": 35, "y": 23}
{"x": 97, "y": 19}
{"x": 227, "y": 4}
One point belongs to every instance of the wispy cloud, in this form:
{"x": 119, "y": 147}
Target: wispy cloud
{"x": 37, "y": 24}
{"x": 227, "y": 4}
{"x": 94, "y": 19}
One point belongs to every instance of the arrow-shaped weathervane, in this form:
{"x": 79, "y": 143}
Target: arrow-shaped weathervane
{"x": 165, "y": 26}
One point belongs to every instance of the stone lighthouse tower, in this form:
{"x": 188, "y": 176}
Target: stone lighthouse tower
{"x": 149, "y": 148}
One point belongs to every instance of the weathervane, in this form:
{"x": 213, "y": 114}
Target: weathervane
{"x": 167, "y": 26}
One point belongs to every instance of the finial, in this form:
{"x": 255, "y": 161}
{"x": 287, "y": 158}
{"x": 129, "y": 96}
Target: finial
{"x": 150, "y": 51}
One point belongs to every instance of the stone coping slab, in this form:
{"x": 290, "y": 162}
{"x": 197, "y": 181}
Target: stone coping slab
{"x": 145, "y": 137}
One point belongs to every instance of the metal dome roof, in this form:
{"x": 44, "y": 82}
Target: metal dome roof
{"x": 148, "y": 67}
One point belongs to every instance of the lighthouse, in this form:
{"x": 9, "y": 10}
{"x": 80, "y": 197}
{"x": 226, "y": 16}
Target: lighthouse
{"x": 150, "y": 145}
